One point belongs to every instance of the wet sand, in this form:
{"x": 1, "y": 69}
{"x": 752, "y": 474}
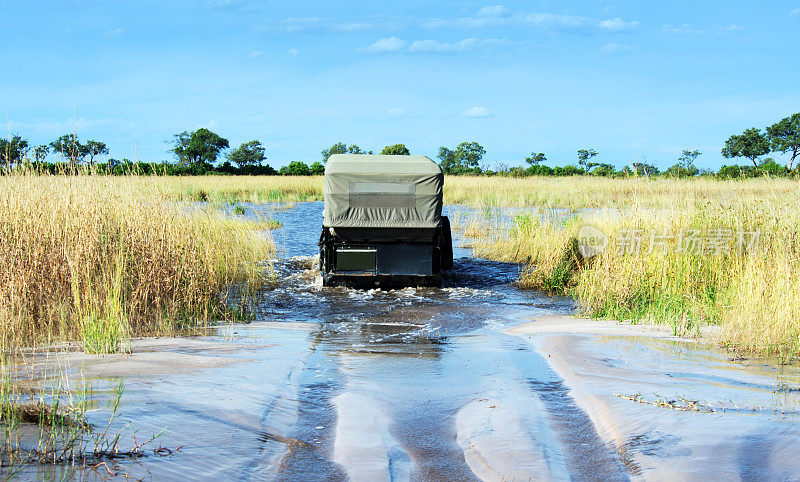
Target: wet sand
{"x": 746, "y": 427}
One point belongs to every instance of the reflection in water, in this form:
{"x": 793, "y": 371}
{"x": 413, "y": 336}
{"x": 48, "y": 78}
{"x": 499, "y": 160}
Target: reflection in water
{"x": 425, "y": 384}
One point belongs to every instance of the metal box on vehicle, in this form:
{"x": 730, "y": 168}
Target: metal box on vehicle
{"x": 382, "y": 222}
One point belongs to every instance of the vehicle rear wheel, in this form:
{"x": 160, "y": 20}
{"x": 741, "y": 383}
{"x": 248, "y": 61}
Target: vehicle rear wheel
{"x": 446, "y": 247}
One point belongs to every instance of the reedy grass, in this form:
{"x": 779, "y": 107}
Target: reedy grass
{"x": 575, "y": 192}
{"x": 99, "y": 259}
{"x": 578, "y": 192}
{"x": 754, "y": 296}
{"x": 228, "y": 189}
{"x": 53, "y": 429}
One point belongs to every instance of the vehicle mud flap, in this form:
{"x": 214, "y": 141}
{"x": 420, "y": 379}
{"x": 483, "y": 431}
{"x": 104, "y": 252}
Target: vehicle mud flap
{"x": 446, "y": 247}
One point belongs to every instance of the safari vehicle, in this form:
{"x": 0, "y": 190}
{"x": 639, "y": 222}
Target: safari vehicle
{"x": 382, "y": 223}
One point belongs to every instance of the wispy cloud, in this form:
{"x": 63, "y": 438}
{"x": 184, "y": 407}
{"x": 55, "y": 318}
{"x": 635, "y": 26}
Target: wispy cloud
{"x": 255, "y": 53}
{"x": 687, "y": 28}
{"x": 223, "y": 4}
{"x": 318, "y": 24}
{"x": 613, "y": 47}
{"x": 495, "y": 16}
{"x": 680, "y": 29}
{"x": 212, "y": 124}
{"x": 523, "y": 19}
{"x": 54, "y": 127}
{"x": 466, "y": 45}
{"x": 294, "y": 25}
{"x": 293, "y": 52}
{"x": 729, "y": 28}
{"x": 394, "y": 45}
{"x": 794, "y": 13}
{"x": 493, "y": 11}
{"x": 231, "y": 5}
{"x": 115, "y": 32}
{"x": 393, "y": 112}
{"x": 477, "y": 112}
{"x": 386, "y": 45}
{"x": 617, "y": 24}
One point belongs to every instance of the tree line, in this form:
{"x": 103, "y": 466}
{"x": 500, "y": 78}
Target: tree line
{"x": 197, "y": 153}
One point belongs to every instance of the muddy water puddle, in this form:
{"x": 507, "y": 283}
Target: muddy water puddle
{"x": 476, "y": 380}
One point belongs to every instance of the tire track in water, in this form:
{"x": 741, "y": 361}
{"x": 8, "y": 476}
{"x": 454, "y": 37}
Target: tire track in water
{"x": 586, "y": 456}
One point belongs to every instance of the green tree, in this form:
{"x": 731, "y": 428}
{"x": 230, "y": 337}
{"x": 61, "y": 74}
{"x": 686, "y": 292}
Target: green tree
{"x": 603, "y": 169}
{"x": 70, "y": 148}
{"x": 447, "y": 160}
{"x": 342, "y": 148}
{"x": 13, "y": 150}
{"x": 395, "y": 150}
{"x": 641, "y": 169}
{"x": 536, "y": 158}
{"x": 338, "y": 148}
{"x": 468, "y": 156}
{"x": 198, "y": 147}
{"x": 680, "y": 169}
{"x": 94, "y": 149}
{"x": 40, "y": 152}
{"x": 751, "y": 144}
{"x": 295, "y": 168}
{"x": 465, "y": 158}
{"x": 584, "y": 158}
{"x": 784, "y": 136}
{"x": 317, "y": 169}
{"x": 248, "y": 154}
{"x": 687, "y": 158}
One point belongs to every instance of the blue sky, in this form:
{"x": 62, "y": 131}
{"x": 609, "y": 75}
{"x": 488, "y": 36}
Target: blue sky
{"x": 633, "y": 80}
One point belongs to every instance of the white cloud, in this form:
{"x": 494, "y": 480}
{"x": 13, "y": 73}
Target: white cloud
{"x": 210, "y": 125}
{"x": 394, "y": 44}
{"x": 233, "y": 5}
{"x": 617, "y": 24}
{"x": 384, "y": 45}
{"x": 294, "y": 25}
{"x": 794, "y": 13}
{"x": 477, "y": 112}
{"x": 466, "y": 45}
{"x": 494, "y": 16}
{"x": 549, "y": 19}
{"x": 685, "y": 28}
{"x": 730, "y": 28}
{"x": 394, "y": 111}
{"x": 493, "y": 11}
{"x": 293, "y": 52}
{"x": 255, "y": 53}
{"x": 115, "y": 32}
{"x": 613, "y": 47}
{"x": 223, "y": 4}
{"x": 349, "y": 27}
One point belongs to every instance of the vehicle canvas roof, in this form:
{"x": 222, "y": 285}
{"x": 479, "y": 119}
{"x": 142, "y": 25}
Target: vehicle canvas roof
{"x": 373, "y": 191}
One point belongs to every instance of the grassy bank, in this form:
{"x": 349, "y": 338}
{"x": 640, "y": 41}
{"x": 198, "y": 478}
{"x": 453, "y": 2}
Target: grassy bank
{"x": 578, "y": 192}
{"x": 573, "y": 192}
{"x": 99, "y": 259}
{"x": 227, "y": 189}
{"x": 723, "y": 253}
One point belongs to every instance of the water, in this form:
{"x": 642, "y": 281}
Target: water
{"x": 429, "y": 384}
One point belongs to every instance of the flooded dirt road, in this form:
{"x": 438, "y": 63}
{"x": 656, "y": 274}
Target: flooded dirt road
{"x": 477, "y": 380}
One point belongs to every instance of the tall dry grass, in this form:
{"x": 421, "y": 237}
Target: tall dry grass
{"x": 753, "y": 294}
{"x": 99, "y": 259}
{"x": 227, "y": 189}
{"x": 578, "y": 192}
{"x": 575, "y": 192}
